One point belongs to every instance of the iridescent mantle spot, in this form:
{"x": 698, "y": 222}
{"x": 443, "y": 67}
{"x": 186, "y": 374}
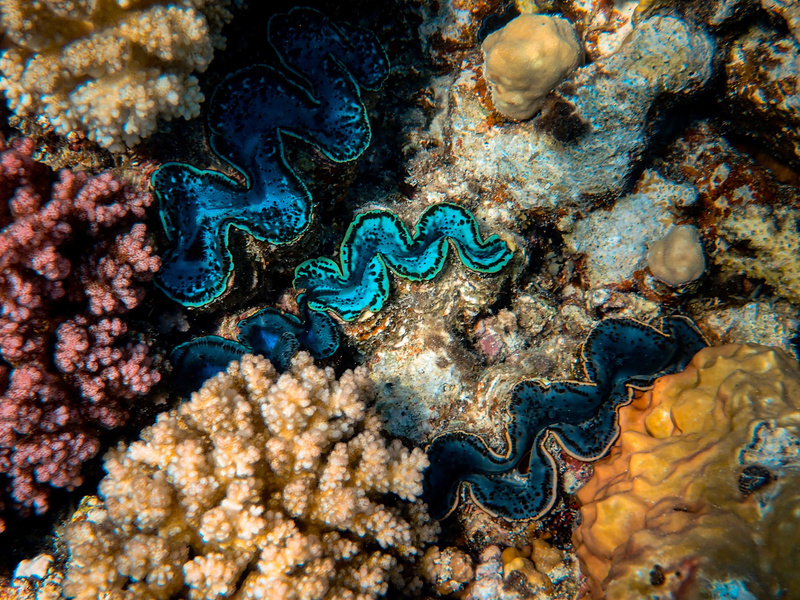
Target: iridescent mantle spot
{"x": 378, "y": 240}
{"x": 270, "y": 332}
{"x": 619, "y": 356}
{"x": 315, "y": 98}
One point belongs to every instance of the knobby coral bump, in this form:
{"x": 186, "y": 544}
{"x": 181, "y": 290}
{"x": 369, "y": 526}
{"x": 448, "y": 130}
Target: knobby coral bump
{"x": 378, "y": 240}
{"x": 618, "y": 356}
{"x": 315, "y": 98}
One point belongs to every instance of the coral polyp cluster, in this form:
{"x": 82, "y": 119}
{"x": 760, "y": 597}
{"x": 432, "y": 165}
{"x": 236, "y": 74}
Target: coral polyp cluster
{"x": 108, "y": 68}
{"x": 74, "y": 255}
{"x": 261, "y": 485}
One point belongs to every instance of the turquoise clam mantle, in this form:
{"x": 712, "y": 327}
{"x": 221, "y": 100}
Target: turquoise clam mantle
{"x": 378, "y": 241}
{"x": 619, "y": 355}
{"x": 272, "y": 333}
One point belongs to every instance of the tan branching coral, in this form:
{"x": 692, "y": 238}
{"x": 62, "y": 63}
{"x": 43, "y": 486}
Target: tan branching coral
{"x": 108, "y": 67}
{"x": 700, "y": 496}
{"x": 261, "y": 485}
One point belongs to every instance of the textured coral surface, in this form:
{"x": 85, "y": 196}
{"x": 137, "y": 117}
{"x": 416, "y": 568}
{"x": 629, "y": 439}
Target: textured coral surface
{"x": 72, "y": 260}
{"x": 108, "y": 68}
{"x": 526, "y": 59}
{"x": 275, "y": 486}
{"x": 701, "y": 492}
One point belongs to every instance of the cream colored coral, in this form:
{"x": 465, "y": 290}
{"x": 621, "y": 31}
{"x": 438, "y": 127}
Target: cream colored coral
{"x": 448, "y": 570}
{"x": 677, "y": 258}
{"x": 667, "y": 511}
{"x": 108, "y": 67}
{"x": 526, "y": 59}
{"x": 264, "y": 485}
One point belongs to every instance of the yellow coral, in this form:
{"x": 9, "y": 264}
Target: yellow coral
{"x": 108, "y": 67}
{"x": 526, "y": 59}
{"x": 701, "y": 493}
{"x": 264, "y": 485}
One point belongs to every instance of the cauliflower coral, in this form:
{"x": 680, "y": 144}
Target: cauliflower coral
{"x": 108, "y": 67}
{"x": 261, "y": 485}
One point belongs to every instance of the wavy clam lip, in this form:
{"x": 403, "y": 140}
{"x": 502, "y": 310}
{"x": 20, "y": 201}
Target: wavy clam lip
{"x": 619, "y": 355}
{"x": 272, "y": 333}
{"x": 378, "y": 242}
{"x": 315, "y": 96}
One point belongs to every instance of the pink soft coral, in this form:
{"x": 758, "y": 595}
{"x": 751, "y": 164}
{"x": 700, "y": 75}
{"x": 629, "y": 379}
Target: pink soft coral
{"x": 73, "y": 257}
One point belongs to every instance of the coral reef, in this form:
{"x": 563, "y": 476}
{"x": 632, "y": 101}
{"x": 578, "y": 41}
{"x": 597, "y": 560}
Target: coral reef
{"x": 269, "y": 332}
{"x": 378, "y": 240}
{"x": 260, "y": 485}
{"x": 787, "y": 9}
{"x": 591, "y": 134}
{"x": 761, "y": 71}
{"x": 768, "y": 233}
{"x": 447, "y": 569}
{"x": 618, "y": 356}
{"x": 110, "y": 69}
{"x": 533, "y": 563}
{"x": 614, "y": 242}
{"x": 700, "y": 494}
{"x": 677, "y": 258}
{"x": 249, "y": 113}
{"x": 526, "y": 59}
{"x": 72, "y": 259}
{"x": 752, "y": 217}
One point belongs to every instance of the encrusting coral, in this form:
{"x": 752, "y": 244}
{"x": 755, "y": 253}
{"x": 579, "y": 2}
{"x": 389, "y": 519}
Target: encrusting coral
{"x": 677, "y": 258}
{"x": 700, "y": 495}
{"x": 108, "y": 68}
{"x": 526, "y": 59}
{"x": 275, "y": 486}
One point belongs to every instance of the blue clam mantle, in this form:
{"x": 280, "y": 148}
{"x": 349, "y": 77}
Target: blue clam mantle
{"x": 269, "y": 332}
{"x": 315, "y": 98}
{"x": 619, "y": 355}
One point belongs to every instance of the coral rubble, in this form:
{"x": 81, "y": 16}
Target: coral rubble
{"x": 701, "y": 493}
{"x": 264, "y": 485}
{"x": 73, "y": 256}
{"x": 110, "y": 69}
{"x": 249, "y": 113}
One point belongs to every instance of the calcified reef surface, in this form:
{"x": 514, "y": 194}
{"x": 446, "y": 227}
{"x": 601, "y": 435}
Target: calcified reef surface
{"x": 682, "y": 116}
